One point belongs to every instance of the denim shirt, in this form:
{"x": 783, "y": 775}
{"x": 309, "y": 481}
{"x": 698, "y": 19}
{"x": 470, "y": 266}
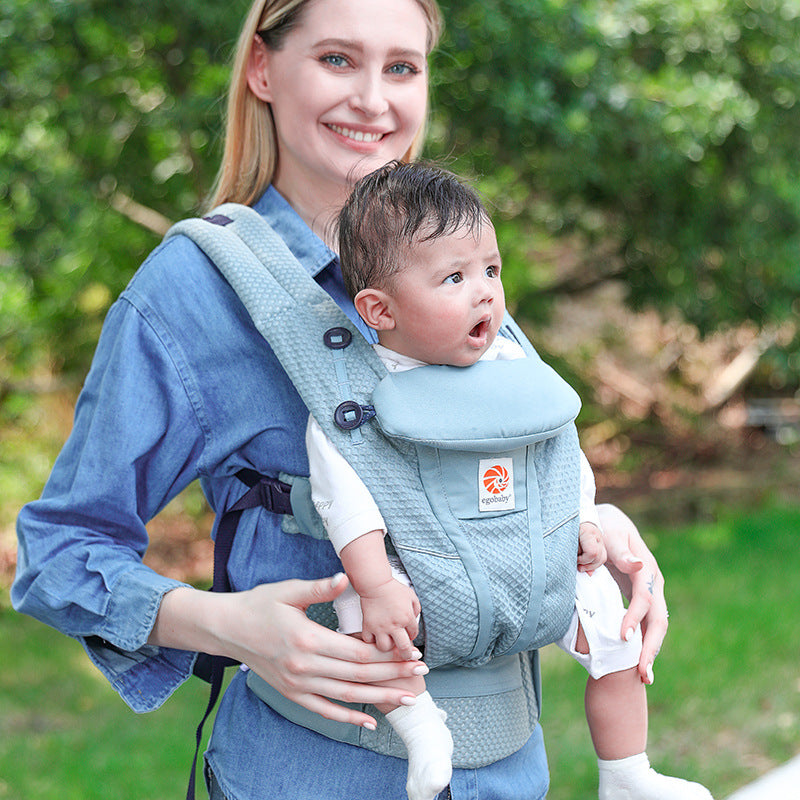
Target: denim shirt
{"x": 182, "y": 387}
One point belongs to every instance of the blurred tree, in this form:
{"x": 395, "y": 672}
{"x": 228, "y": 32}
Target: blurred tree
{"x": 657, "y": 139}
{"x": 102, "y": 103}
{"x": 649, "y": 141}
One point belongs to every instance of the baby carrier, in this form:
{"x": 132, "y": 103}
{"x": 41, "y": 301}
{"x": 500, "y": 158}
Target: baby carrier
{"x": 476, "y": 471}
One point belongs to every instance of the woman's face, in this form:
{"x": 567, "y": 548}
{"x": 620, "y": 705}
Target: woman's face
{"x": 348, "y": 91}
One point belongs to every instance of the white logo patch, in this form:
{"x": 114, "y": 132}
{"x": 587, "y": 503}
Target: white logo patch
{"x": 496, "y": 484}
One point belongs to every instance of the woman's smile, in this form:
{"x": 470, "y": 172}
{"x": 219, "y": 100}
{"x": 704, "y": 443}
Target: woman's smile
{"x": 356, "y": 135}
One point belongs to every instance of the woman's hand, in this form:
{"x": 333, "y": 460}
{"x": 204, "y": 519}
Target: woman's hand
{"x": 635, "y": 569}
{"x": 267, "y": 629}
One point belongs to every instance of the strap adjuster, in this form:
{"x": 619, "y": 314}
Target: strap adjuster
{"x": 274, "y": 495}
{"x": 264, "y": 491}
{"x": 350, "y": 415}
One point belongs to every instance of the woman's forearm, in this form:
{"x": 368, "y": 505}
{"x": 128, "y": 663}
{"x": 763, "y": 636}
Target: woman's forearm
{"x": 267, "y": 629}
{"x": 189, "y": 619}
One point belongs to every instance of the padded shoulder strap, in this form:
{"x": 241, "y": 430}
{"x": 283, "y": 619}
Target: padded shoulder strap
{"x": 254, "y": 260}
{"x": 288, "y": 307}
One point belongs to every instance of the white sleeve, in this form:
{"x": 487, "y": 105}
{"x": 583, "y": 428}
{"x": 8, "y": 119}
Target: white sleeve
{"x": 588, "y": 510}
{"x": 339, "y": 495}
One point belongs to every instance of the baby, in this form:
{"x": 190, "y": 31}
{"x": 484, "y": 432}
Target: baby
{"x": 420, "y": 259}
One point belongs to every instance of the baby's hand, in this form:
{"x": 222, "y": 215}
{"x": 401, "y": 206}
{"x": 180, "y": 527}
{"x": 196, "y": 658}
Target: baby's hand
{"x": 591, "y": 550}
{"x": 390, "y": 617}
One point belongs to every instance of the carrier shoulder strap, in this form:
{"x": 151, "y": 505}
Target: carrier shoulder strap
{"x": 272, "y": 297}
{"x": 282, "y": 298}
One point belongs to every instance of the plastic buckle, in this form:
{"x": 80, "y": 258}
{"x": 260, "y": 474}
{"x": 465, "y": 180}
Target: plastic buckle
{"x": 350, "y": 415}
{"x": 274, "y": 495}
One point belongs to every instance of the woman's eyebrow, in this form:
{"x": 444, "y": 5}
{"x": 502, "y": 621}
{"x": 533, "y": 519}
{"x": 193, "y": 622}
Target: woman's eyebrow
{"x": 354, "y": 44}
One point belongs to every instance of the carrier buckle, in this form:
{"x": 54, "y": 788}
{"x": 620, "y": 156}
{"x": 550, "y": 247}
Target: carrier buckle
{"x": 350, "y": 415}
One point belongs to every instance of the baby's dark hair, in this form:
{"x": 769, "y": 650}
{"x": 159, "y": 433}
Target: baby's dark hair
{"x": 392, "y": 208}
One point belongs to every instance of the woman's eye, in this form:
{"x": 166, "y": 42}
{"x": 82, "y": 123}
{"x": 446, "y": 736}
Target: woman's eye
{"x": 335, "y": 60}
{"x": 403, "y": 69}
{"x": 454, "y": 278}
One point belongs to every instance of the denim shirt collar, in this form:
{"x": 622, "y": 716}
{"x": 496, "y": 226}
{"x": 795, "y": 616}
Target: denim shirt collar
{"x": 304, "y": 244}
{"x": 315, "y": 256}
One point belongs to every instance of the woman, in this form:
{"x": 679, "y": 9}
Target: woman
{"x": 183, "y": 387}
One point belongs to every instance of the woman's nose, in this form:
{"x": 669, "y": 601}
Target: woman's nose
{"x": 368, "y": 96}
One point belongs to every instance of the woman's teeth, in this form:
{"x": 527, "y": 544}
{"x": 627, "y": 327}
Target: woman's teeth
{"x": 357, "y": 136}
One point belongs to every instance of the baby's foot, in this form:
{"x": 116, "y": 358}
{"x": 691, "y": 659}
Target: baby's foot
{"x": 429, "y": 744}
{"x": 634, "y": 779}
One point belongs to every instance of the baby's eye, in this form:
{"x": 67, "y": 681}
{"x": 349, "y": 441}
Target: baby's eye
{"x": 493, "y": 271}
{"x": 456, "y": 277}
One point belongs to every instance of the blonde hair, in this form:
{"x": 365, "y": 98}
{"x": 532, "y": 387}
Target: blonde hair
{"x": 251, "y": 150}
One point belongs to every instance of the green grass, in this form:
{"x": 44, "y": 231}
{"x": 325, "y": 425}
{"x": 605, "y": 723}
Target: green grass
{"x": 64, "y": 733}
{"x": 724, "y": 708}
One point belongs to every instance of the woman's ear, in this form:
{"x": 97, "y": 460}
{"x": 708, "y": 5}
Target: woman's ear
{"x": 373, "y": 306}
{"x": 258, "y": 70}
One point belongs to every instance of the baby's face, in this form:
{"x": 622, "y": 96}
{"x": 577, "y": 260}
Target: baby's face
{"x": 447, "y": 301}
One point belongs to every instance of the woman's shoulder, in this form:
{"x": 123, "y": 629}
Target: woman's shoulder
{"x": 175, "y": 264}
{"x": 178, "y": 282}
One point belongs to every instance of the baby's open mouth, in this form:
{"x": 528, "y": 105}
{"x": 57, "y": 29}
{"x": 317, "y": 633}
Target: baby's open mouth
{"x": 480, "y": 330}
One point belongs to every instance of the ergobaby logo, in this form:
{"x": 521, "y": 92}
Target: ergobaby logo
{"x": 496, "y": 484}
{"x": 495, "y": 479}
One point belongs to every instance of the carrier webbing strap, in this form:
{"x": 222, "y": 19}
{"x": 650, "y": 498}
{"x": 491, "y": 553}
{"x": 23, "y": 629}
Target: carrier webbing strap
{"x": 264, "y": 492}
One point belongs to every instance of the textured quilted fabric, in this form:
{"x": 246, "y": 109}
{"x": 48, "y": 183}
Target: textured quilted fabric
{"x": 513, "y": 551}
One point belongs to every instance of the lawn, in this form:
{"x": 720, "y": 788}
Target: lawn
{"x": 65, "y": 734}
{"x": 725, "y": 705}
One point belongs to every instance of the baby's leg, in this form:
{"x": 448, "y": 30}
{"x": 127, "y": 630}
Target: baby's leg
{"x": 616, "y": 700}
{"x": 421, "y": 726}
{"x": 616, "y": 710}
{"x": 429, "y": 744}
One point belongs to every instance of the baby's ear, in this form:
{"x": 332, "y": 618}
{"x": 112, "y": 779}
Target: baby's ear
{"x": 374, "y": 307}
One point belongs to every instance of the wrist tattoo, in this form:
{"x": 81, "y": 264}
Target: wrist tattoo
{"x": 651, "y": 584}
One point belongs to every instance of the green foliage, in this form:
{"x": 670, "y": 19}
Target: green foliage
{"x": 651, "y": 141}
{"x": 65, "y": 733}
{"x": 666, "y": 128}
{"x": 98, "y": 99}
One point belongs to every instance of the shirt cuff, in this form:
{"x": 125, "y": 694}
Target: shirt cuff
{"x": 354, "y": 527}
{"x": 143, "y": 675}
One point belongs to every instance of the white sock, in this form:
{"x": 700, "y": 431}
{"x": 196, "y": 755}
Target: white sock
{"x": 633, "y": 778}
{"x": 429, "y": 744}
